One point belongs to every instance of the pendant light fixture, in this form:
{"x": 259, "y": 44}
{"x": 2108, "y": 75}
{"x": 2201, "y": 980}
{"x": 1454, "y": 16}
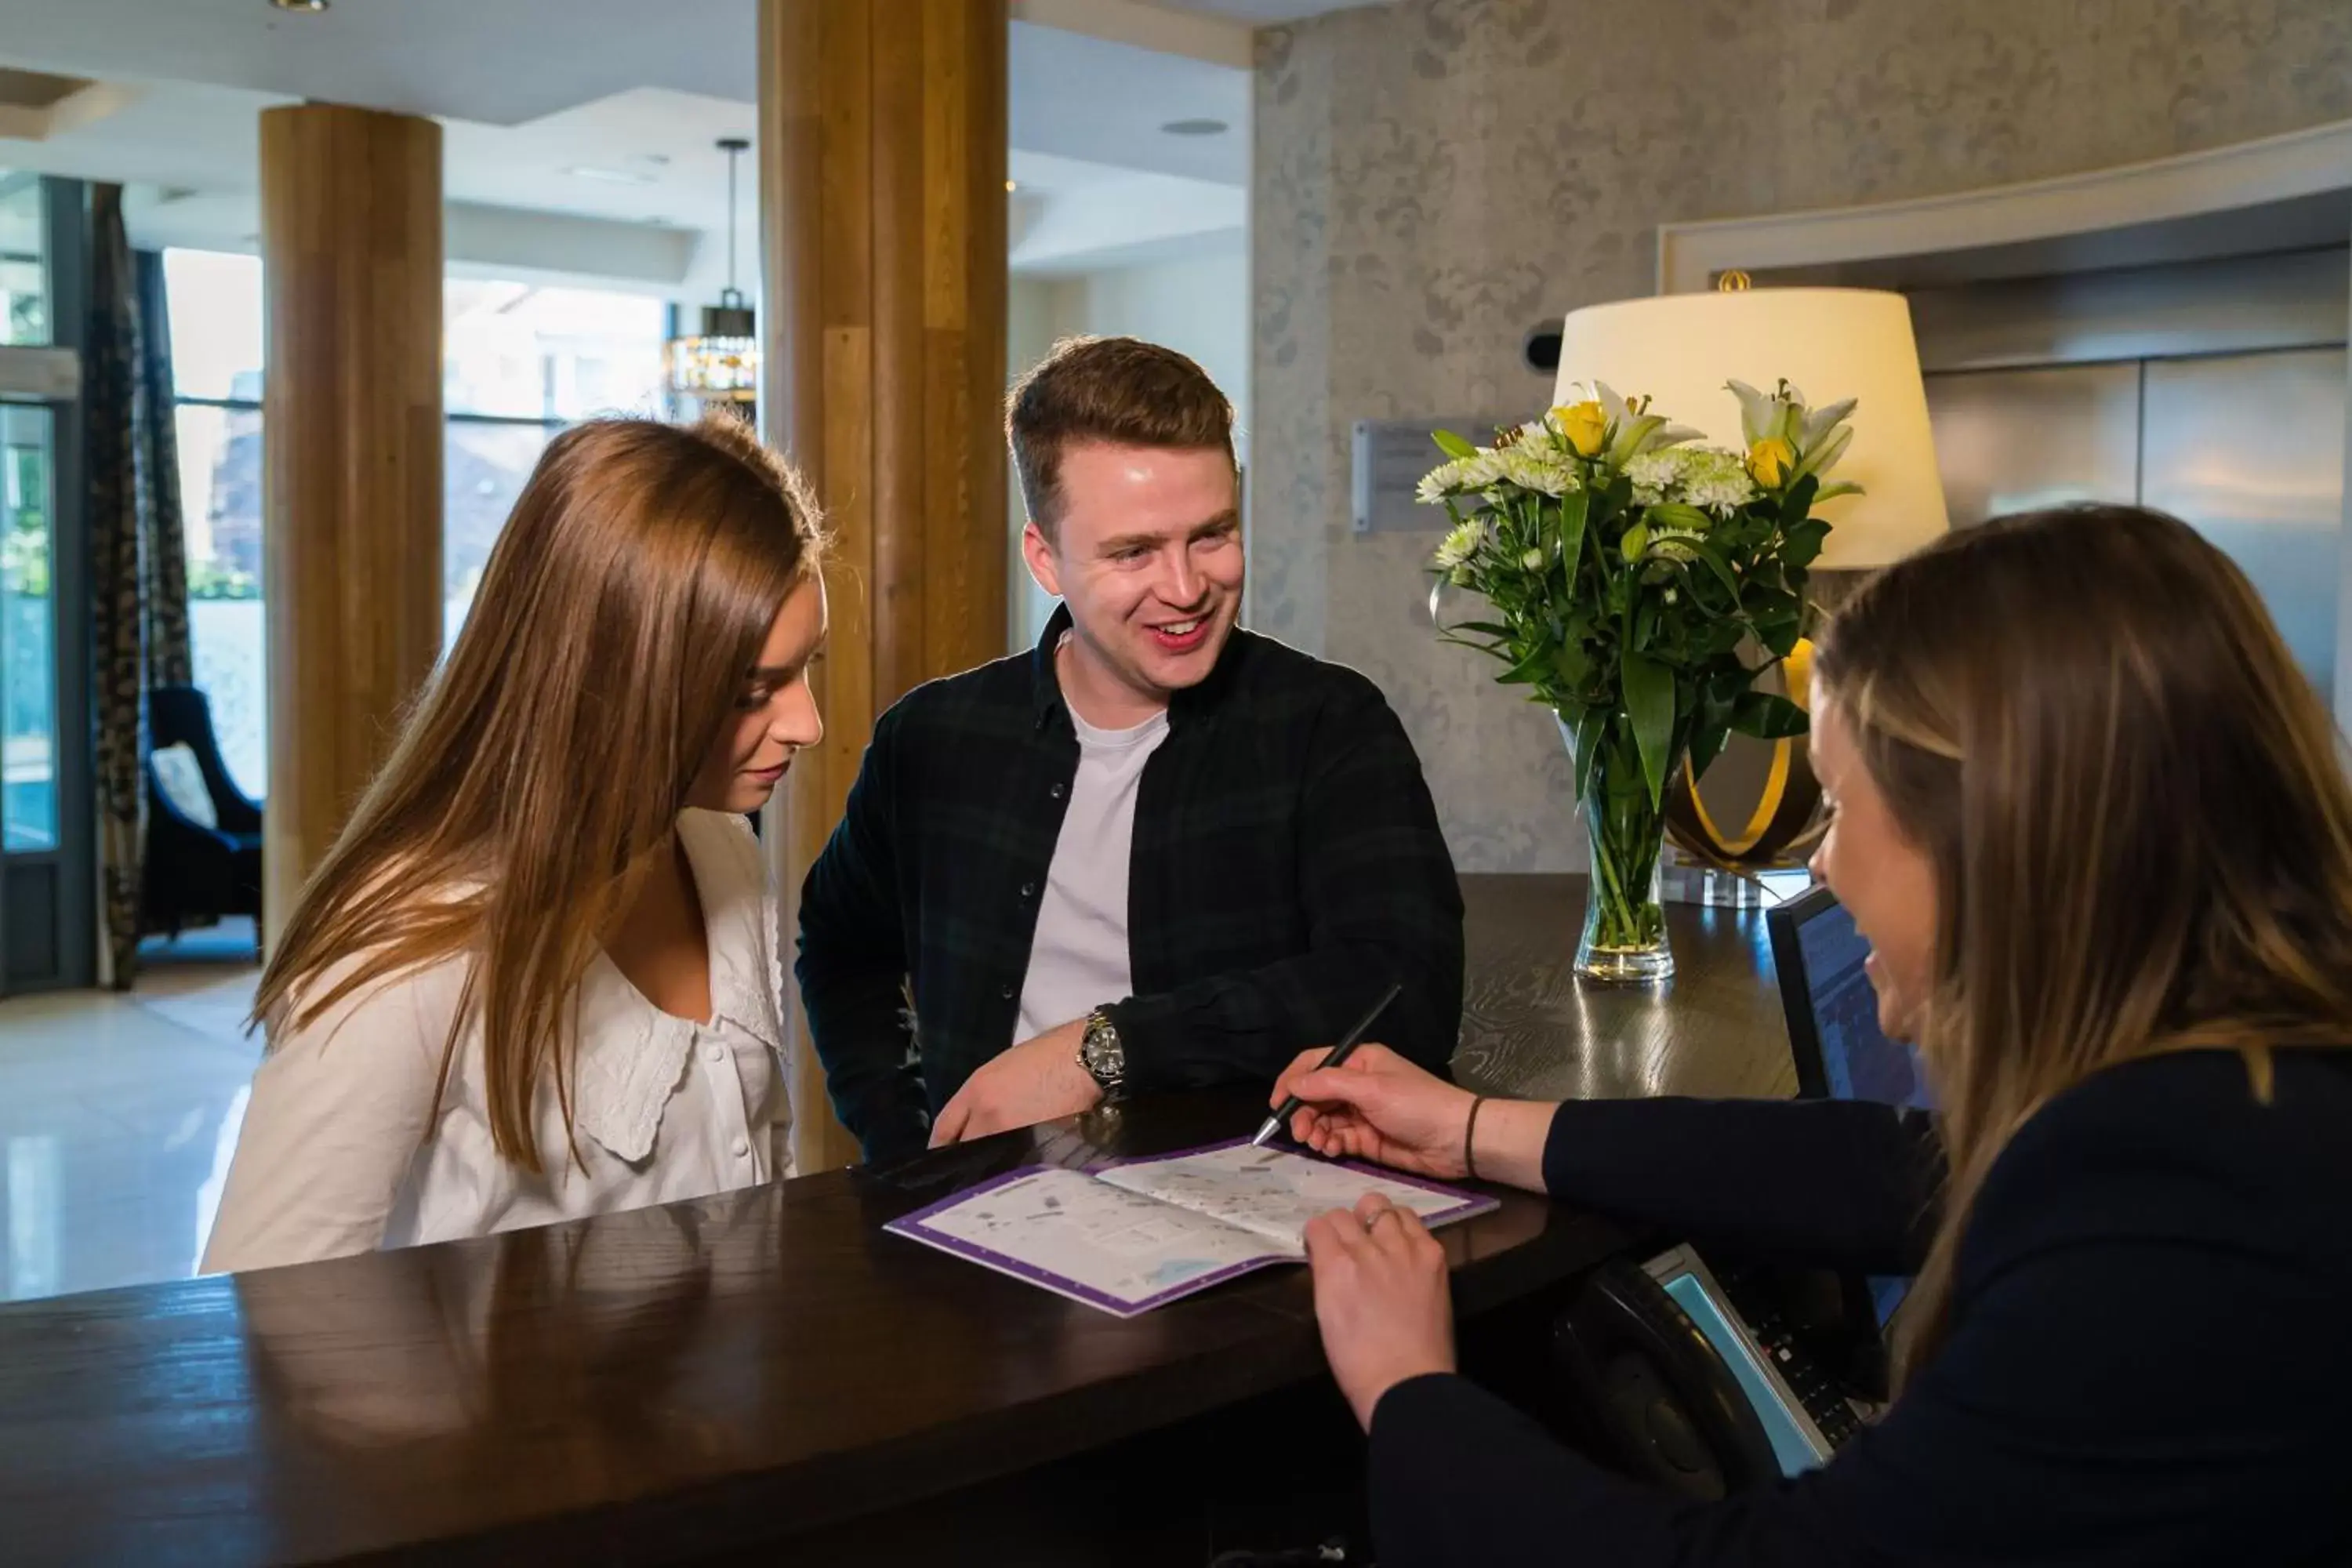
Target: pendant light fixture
{"x": 720, "y": 362}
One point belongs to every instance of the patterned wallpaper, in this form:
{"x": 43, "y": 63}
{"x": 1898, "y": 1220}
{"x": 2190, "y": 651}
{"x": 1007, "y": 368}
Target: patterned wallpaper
{"x": 1435, "y": 176}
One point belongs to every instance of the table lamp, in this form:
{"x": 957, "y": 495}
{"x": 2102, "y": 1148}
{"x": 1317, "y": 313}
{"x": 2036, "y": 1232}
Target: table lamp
{"x": 1679, "y": 349}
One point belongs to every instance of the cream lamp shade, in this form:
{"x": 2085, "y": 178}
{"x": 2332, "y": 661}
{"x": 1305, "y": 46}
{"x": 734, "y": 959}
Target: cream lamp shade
{"x": 1830, "y": 344}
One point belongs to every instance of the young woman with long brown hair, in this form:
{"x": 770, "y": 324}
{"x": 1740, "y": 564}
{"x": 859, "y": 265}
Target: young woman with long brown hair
{"x": 538, "y": 975}
{"x": 2097, "y": 828}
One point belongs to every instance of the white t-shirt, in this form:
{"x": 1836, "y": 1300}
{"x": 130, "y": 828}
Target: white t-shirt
{"x": 1078, "y": 960}
{"x": 342, "y": 1152}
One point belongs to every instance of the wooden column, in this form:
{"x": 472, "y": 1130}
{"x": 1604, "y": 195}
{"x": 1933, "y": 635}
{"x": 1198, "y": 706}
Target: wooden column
{"x": 882, "y": 152}
{"x": 351, "y": 247}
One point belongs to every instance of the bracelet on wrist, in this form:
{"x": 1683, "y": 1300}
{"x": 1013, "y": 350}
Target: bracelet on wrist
{"x": 1470, "y": 1138}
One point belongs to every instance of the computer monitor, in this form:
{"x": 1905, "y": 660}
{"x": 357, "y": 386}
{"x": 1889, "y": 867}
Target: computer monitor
{"x": 1833, "y": 1011}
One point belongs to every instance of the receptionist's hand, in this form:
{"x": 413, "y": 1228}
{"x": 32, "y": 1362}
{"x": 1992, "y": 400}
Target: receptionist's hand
{"x": 1378, "y": 1106}
{"x": 1380, "y": 1298}
{"x": 1035, "y": 1082}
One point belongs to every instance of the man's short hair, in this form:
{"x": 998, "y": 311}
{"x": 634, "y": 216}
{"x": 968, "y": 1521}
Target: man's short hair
{"x": 1123, "y": 391}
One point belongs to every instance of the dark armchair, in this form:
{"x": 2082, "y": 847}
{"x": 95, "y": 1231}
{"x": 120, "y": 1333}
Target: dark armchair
{"x": 196, "y": 874}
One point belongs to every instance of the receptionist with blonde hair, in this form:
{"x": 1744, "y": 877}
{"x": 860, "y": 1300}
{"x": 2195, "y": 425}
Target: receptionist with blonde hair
{"x": 2094, "y": 823}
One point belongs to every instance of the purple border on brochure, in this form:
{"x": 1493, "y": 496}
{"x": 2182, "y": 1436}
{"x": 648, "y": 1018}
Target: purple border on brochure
{"x": 913, "y": 1228}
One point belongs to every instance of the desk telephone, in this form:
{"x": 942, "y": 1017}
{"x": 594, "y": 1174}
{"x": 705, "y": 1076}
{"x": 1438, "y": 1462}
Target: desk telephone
{"x": 1689, "y": 1390}
{"x": 1707, "y": 1388}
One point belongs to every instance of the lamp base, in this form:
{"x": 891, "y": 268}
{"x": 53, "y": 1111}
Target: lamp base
{"x": 1681, "y": 881}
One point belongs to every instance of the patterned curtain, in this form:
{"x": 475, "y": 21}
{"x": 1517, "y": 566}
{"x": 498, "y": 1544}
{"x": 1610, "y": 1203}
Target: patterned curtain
{"x": 164, "y": 546}
{"x": 139, "y": 585}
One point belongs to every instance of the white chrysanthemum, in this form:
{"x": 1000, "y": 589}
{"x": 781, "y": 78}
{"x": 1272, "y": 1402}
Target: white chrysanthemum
{"x": 1532, "y": 559}
{"x": 1537, "y": 470}
{"x": 1653, "y": 473}
{"x": 1484, "y": 471}
{"x": 1460, "y": 543}
{"x": 1714, "y": 481}
{"x": 1446, "y": 479}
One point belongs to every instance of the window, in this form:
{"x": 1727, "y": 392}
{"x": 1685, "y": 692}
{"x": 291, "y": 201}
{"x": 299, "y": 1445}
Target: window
{"x": 519, "y": 363}
{"x": 28, "y": 779}
{"x": 521, "y": 360}
{"x": 24, "y": 284}
{"x": 216, "y": 315}
{"x": 28, "y": 661}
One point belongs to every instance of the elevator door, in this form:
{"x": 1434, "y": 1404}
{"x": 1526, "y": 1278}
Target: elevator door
{"x": 2248, "y": 448}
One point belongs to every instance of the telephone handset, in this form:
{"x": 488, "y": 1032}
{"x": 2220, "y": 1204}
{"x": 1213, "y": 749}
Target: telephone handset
{"x": 1681, "y": 1387}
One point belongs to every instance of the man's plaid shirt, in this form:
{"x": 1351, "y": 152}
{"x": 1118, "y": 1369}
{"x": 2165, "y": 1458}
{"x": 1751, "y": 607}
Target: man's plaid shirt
{"x": 1286, "y": 864}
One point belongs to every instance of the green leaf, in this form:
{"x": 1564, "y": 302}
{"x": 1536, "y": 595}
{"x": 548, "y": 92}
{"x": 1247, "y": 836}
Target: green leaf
{"x": 1802, "y": 544}
{"x": 1767, "y": 716}
{"x": 1484, "y": 629}
{"x": 1674, "y": 514}
{"x": 1452, "y": 446}
{"x": 1609, "y": 500}
{"x": 1778, "y": 618}
{"x": 1707, "y": 744}
{"x": 1573, "y": 507}
{"x": 1526, "y": 670}
{"x": 1650, "y": 704}
{"x": 1719, "y": 566}
{"x": 1589, "y": 726}
{"x": 1796, "y": 504}
{"x": 1572, "y": 665}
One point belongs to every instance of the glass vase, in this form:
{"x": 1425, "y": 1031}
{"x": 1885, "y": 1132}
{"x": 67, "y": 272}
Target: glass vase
{"x": 1624, "y": 939}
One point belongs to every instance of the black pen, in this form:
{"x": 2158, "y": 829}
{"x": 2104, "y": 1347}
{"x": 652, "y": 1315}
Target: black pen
{"x": 1339, "y": 1053}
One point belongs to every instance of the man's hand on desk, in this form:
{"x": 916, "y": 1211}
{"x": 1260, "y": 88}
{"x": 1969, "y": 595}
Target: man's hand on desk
{"x": 1034, "y": 1081}
{"x": 1381, "y": 1300}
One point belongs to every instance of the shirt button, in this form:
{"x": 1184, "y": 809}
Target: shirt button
{"x": 1028, "y": 890}
{"x": 1055, "y": 792}
{"x": 1005, "y": 992}
{"x": 742, "y": 1149}
{"x": 715, "y": 1054}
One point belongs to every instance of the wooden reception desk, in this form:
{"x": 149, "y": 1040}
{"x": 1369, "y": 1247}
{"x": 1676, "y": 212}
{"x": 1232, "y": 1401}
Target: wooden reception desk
{"x": 767, "y": 1377}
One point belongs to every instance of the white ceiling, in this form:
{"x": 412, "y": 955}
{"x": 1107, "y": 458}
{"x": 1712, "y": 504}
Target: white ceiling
{"x": 634, "y": 89}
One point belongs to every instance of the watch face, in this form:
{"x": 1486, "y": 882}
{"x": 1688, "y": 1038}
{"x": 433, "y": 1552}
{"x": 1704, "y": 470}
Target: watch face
{"x": 1103, "y": 1056}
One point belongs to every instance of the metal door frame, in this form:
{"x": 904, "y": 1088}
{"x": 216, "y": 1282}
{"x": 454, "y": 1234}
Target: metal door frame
{"x": 74, "y": 859}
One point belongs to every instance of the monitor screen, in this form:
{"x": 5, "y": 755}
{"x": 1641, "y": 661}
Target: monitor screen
{"x": 1858, "y": 1061}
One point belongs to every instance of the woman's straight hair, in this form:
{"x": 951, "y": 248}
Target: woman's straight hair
{"x": 2136, "y": 805}
{"x": 630, "y": 593}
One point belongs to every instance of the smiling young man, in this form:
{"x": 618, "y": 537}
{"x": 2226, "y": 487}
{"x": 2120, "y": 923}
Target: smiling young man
{"x": 1156, "y": 851}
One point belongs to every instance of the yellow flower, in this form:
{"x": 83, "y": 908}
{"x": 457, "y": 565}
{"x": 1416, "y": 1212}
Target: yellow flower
{"x": 1768, "y": 461}
{"x": 1797, "y": 670}
{"x": 1583, "y": 426}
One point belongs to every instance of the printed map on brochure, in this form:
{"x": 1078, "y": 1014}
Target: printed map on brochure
{"x": 1142, "y": 1233}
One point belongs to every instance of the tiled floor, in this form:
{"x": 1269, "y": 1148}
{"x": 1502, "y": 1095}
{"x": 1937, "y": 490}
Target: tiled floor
{"x": 117, "y": 1118}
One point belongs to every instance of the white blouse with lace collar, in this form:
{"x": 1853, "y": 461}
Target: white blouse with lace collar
{"x": 341, "y": 1150}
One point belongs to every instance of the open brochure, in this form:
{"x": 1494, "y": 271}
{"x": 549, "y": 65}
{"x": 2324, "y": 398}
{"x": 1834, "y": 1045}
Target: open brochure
{"x": 1141, "y": 1232}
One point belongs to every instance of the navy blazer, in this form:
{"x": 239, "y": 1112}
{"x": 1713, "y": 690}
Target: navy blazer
{"x": 2149, "y": 1362}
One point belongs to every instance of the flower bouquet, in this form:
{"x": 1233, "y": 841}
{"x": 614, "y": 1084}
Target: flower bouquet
{"x": 1632, "y": 576}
